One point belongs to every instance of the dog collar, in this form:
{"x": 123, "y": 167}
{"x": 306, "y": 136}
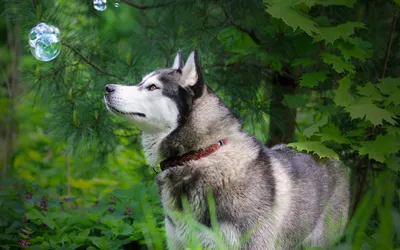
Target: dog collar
{"x": 192, "y": 155}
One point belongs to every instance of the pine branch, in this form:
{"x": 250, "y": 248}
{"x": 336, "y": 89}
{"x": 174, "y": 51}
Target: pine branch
{"x": 389, "y": 41}
{"x": 55, "y": 72}
{"x": 242, "y": 28}
{"x": 144, "y": 7}
{"x": 88, "y": 61}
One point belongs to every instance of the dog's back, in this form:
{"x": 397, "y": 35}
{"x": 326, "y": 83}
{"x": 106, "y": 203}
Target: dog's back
{"x": 319, "y": 197}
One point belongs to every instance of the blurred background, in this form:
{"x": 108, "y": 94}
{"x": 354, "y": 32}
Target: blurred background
{"x": 322, "y": 75}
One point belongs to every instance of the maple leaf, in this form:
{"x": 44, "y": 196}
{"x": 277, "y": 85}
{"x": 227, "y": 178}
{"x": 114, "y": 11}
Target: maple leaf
{"x": 315, "y": 127}
{"x": 315, "y": 147}
{"x": 304, "y": 62}
{"x": 383, "y": 146}
{"x": 331, "y": 34}
{"x": 356, "y": 48}
{"x": 292, "y": 16}
{"x": 371, "y": 112}
{"x": 370, "y": 90}
{"x": 294, "y": 101}
{"x": 343, "y": 97}
{"x": 338, "y": 64}
{"x": 389, "y": 85}
{"x": 332, "y": 133}
{"x": 393, "y": 163}
{"x": 393, "y": 98}
{"x": 312, "y": 79}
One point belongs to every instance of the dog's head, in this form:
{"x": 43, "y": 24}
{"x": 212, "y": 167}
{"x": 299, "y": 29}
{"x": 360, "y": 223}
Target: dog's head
{"x": 162, "y": 100}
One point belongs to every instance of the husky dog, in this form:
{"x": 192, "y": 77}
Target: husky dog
{"x": 278, "y": 197}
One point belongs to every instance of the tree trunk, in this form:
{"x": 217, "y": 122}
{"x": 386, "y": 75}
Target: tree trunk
{"x": 282, "y": 118}
{"x": 11, "y": 77}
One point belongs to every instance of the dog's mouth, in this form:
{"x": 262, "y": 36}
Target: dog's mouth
{"x": 114, "y": 110}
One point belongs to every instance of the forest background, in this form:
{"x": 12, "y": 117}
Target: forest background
{"x": 322, "y": 75}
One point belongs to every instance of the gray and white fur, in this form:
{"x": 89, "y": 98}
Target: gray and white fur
{"x": 280, "y": 197}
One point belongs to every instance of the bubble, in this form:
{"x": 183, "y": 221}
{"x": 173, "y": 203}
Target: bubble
{"x": 44, "y": 41}
{"x": 100, "y": 5}
{"x": 116, "y": 4}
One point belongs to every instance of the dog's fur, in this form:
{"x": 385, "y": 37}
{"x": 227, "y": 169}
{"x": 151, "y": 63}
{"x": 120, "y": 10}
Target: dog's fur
{"x": 280, "y": 197}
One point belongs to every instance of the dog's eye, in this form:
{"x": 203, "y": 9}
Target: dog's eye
{"x": 152, "y": 87}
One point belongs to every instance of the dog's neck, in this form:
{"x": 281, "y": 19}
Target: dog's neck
{"x": 151, "y": 145}
{"x": 199, "y": 132}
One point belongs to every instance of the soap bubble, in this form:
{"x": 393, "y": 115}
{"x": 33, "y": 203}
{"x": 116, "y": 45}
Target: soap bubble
{"x": 116, "y": 4}
{"x": 44, "y": 41}
{"x": 100, "y": 5}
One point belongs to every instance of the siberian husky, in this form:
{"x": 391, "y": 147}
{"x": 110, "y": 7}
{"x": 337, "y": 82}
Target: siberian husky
{"x": 278, "y": 197}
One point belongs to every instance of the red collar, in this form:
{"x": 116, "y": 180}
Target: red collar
{"x": 193, "y": 155}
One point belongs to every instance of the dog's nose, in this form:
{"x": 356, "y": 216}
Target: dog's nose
{"x": 109, "y": 88}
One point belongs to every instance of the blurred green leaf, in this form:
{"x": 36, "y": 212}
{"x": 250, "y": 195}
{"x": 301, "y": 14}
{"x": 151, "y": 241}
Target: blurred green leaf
{"x": 314, "y": 147}
{"x": 312, "y": 79}
{"x": 383, "y": 146}
{"x": 315, "y": 127}
{"x": 331, "y": 34}
{"x": 343, "y": 96}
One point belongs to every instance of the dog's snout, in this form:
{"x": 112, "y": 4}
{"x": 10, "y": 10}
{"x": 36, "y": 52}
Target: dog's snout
{"x": 109, "y": 88}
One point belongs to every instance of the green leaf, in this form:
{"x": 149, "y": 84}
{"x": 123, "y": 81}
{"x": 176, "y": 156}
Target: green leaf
{"x": 237, "y": 41}
{"x": 101, "y": 243}
{"x": 49, "y": 222}
{"x": 389, "y": 85}
{"x": 85, "y": 232}
{"x": 331, "y": 133}
{"x": 371, "y": 112}
{"x": 312, "y": 79}
{"x": 315, "y": 127}
{"x": 304, "y": 62}
{"x": 343, "y": 97}
{"x": 393, "y": 163}
{"x": 38, "y": 239}
{"x": 122, "y": 229}
{"x": 292, "y": 16}
{"x": 294, "y": 101}
{"x": 370, "y": 90}
{"x": 383, "y": 146}
{"x": 347, "y": 3}
{"x": 355, "y": 47}
{"x": 331, "y": 34}
{"x": 393, "y": 98}
{"x": 34, "y": 214}
{"x": 315, "y": 147}
{"x": 338, "y": 64}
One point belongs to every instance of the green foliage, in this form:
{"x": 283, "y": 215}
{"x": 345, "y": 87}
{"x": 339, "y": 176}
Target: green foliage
{"x": 124, "y": 218}
{"x": 76, "y": 176}
{"x": 313, "y": 79}
{"x": 315, "y": 147}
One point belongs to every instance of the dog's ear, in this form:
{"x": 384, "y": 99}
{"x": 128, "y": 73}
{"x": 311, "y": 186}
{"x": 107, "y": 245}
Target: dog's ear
{"x": 191, "y": 74}
{"x": 178, "y": 61}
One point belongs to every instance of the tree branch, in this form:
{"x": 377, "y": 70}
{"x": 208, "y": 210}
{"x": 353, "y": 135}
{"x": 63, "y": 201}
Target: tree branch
{"x": 242, "y": 28}
{"x": 88, "y": 61}
{"x": 55, "y": 71}
{"x": 144, "y": 7}
{"x": 389, "y": 41}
